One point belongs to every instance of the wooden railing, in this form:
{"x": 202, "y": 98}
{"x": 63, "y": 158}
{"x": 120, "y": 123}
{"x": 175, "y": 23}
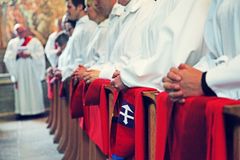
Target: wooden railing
{"x": 72, "y": 140}
{"x": 150, "y": 103}
{"x": 76, "y": 145}
{"x": 232, "y": 113}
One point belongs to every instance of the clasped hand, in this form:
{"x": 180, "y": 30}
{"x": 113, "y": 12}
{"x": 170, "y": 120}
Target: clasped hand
{"x": 183, "y": 82}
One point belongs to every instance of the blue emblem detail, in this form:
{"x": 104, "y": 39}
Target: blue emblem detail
{"x": 126, "y": 116}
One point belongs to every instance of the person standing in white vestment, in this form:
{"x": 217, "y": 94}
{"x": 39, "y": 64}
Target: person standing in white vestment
{"x": 25, "y": 62}
{"x": 216, "y": 74}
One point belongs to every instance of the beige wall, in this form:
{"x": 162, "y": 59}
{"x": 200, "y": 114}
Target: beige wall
{"x": 38, "y": 15}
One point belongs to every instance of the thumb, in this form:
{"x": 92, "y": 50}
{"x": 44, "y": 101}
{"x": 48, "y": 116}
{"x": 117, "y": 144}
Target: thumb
{"x": 115, "y": 74}
{"x": 184, "y": 66}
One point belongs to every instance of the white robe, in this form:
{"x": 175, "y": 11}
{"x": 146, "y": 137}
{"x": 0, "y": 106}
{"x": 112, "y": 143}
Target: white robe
{"x": 104, "y": 39}
{"x": 76, "y": 52}
{"x": 28, "y": 74}
{"x": 222, "y": 37}
{"x": 50, "y": 50}
{"x": 174, "y": 36}
{"x": 97, "y": 48}
{"x": 113, "y": 27}
{"x": 132, "y": 22}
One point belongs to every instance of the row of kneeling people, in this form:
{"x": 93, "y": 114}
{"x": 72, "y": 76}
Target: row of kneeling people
{"x": 185, "y": 47}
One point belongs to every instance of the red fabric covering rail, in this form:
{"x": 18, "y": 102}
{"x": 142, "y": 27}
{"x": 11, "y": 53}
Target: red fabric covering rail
{"x": 78, "y": 90}
{"x": 93, "y": 94}
{"x": 94, "y": 122}
{"x": 163, "y": 115}
{"x": 216, "y": 149}
{"x": 194, "y": 130}
{"x": 104, "y": 112}
{"x": 49, "y": 87}
{"x": 129, "y": 135}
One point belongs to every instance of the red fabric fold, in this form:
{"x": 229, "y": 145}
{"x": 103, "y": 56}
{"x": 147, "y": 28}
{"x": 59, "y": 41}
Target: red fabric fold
{"x": 104, "y": 112}
{"x": 130, "y": 125}
{"x": 77, "y": 100}
{"x": 163, "y": 115}
{"x": 193, "y": 130}
{"x": 216, "y": 131}
{"x": 140, "y": 126}
{"x": 188, "y": 135}
{"x": 92, "y": 115}
{"x": 49, "y": 88}
{"x": 183, "y": 132}
{"x": 94, "y": 90}
{"x": 61, "y": 92}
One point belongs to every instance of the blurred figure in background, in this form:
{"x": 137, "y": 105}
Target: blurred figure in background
{"x": 76, "y": 47}
{"x": 25, "y": 62}
{"x": 69, "y": 26}
{"x": 51, "y": 50}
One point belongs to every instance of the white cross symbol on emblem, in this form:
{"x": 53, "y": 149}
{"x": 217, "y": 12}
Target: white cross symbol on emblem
{"x": 125, "y": 114}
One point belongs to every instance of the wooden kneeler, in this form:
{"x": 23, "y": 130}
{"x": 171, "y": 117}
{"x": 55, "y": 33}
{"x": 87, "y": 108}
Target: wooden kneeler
{"x": 110, "y": 96}
{"x": 64, "y": 122}
{"x": 54, "y": 107}
{"x": 150, "y": 103}
{"x": 59, "y": 120}
{"x": 50, "y": 115}
{"x": 64, "y": 126}
{"x": 232, "y": 113}
{"x": 72, "y": 138}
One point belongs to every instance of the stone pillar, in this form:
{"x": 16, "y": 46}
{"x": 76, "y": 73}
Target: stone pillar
{"x": 6, "y": 94}
{"x": 2, "y": 65}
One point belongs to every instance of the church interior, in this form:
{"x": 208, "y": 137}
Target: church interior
{"x": 119, "y": 80}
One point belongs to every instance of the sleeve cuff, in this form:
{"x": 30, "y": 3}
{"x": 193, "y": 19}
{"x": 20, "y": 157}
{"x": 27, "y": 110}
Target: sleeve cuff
{"x": 206, "y": 89}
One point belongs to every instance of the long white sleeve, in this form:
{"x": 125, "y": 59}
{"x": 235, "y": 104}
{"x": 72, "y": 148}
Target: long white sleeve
{"x": 178, "y": 36}
{"x": 51, "y": 51}
{"x": 222, "y": 36}
{"x": 37, "y": 53}
{"x": 10, "y": 58}
{"x": 225, "y": 76}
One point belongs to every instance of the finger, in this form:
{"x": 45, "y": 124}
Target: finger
{"x": 171, "y": 86}
{"x": 89, "y": 70}
{"x": 88, "y": 81}
{"x": 181, "y": 100}
{"x": 174, "y": 76}
{"x": 174, "y": 99}
{"x": 113, "y": 83}
{"x": 85, "y": 73}
{"x": 174, "y": 70}
{"x": 176, "y": 94}
{"x": 86, "y": 77}
{"x": 178, "y": 100}
{"x": 122, "y": 87}
{"x": 183, "y": 66}
{"x": 166, "y": 79}
{"x": 92, "y": 79}
{"x": 75, "y": 73}
{"x": 115, "y": 75}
